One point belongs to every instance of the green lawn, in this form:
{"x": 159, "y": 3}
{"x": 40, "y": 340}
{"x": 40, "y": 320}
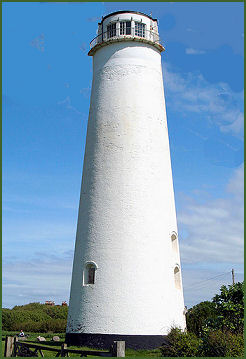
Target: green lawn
{"x": 48, "y": 336}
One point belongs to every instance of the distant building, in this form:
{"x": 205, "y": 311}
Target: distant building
{"x": 64, "y": 304}
{"x": 49, "y": 302}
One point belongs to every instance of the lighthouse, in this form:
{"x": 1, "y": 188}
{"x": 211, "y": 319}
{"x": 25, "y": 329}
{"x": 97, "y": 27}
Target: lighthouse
{"x": 126, "y": 279}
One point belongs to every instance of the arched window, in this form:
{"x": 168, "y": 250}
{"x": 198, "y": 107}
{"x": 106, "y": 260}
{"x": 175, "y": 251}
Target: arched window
{"x": 177, "y": 278}
{"x": 174, "y": 238}
{"x": 89, "y": 276}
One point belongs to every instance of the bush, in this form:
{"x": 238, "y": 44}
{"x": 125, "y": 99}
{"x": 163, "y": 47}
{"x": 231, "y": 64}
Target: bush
{"x": 219, "y": 344}
{"x": 199, "y": 315}
{"x": 35, "y": 317}
{"x": 229, "y": 305}
{"x": 53, "y": 325}
{"x": 7, "y": 319}
{"x": 181, "y": 344}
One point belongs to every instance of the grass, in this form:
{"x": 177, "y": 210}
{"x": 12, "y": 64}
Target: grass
{"x": 32, "y": 338}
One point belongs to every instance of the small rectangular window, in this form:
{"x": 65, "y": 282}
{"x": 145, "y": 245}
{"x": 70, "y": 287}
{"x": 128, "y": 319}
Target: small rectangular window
{"x": 139, "y": 29}
{"x": 89, "y": 274}
{"x": 125, "y": 28}
{"x": 111, "y": 30}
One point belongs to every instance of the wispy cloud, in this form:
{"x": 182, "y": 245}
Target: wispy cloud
{"x": 211, "y": 240}
{"x": 85, "y": 91}
{"x": 201, "y": 282}
{"x": 94, "y": 19}
{"x": 190, "y": 51}
{"x": 38, "y": 43}
{"x": 214, "y": 228}
{"x": 215, "y": 103}
{"x": 67, "y": 104}
{"x": 43, "y": 277}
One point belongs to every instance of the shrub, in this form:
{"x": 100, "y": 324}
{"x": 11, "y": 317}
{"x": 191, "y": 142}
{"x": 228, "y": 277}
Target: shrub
{"x": 229, "y": 305}
{"x": 181, "y": 344}
{"x": 57, "y": 312}
{"x": 199, "y": 315}
{"x": 220, "y": 344}
{"x": 30, "y": 306}
{"x": 7, "y": 319}
{"x": 35, "y": 317}
{"x": 29, "y": 326}
{"x": 53, "y": 325}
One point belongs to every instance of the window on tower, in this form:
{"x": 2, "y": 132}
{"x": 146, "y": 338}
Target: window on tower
{"x": 139, "y": 29}
{"x": 111, "y": 30}
{"x": 177, "y": 278}
{"x": 125, "y": 28}
{"x": 174, "y": 239}
{"x": 89, "y": 274}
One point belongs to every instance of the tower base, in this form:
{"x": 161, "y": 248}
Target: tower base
{"x": 104, "y": 341}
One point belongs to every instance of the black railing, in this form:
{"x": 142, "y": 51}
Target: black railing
{"x": 114, "y": 34}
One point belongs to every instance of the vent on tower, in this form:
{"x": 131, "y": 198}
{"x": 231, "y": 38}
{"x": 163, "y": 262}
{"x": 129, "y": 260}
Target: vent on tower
{"x": 89, "y": 273}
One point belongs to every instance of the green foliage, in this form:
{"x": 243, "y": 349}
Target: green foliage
{"x": 214, "y": 343}
{"x": 229, "y": 306}
{"x": 29, "y": 307}
{"x": 7, "y": 319}
{"x": 223, "y": 344}
{"x": 199, "y": 315}
{"x": 181, "y": 344}
{"x": 35, "y": 317}
{"x": 56, "y": 312}
{"x": 215, "y": 329}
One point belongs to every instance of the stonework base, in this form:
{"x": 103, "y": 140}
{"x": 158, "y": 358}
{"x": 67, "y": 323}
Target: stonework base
{"x": 104, "y": 341}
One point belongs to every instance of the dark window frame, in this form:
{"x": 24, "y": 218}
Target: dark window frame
{"x": 125, "y": 28}
{"x": 111, "y": 30}
{"x": 140, "y": 29}
{"x": 89, "y": 274}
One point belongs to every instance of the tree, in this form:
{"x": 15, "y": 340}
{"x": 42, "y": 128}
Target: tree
{"x": 198, "y": 316}
{"x": 229, "y": 305}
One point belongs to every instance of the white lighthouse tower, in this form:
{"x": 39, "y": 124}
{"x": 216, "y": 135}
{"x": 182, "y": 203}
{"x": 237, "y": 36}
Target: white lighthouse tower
{"x": 126, "y": 281}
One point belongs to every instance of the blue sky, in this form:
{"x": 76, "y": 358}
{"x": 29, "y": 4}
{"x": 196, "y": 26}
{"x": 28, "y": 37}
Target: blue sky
{"x": 46, "y": 92}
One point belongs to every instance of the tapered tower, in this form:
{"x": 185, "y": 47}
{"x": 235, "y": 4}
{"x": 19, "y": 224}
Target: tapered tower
{"x": 126, "y": 281}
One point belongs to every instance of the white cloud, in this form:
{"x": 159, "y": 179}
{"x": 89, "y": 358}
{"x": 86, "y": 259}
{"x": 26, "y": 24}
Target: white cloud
{"x": 201, "y": 282}
{"x": 190, "y": 51}
{"x": 38, "y": 43}
{"x": 216, "y": 103}
{"x": 46, "y": 277}
{"x": 211, "y": 240}
{"x": 215, "y": 228}
{"x": 67, "y": 103}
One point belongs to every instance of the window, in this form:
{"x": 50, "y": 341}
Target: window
{"x": 174, "y": 239}
{"x": 139, "y": 29}
{"x": 111, "y": 30}
{"x": 125, "y": 28}
{"x": 177, "y": 278}
{"x": 89, "y": 274}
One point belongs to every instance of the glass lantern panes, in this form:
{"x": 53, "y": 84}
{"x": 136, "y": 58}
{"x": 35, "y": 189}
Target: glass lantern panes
{"x": 139, "y": 29}
{"x": 111, "y": 30}
{"x": 125, "y": 28}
